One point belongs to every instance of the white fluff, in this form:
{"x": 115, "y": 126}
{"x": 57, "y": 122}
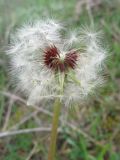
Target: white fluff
{"x": 39, "y": 83}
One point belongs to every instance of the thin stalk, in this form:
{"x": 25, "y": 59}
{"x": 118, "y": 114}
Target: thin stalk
{"x": 52, "y": 148}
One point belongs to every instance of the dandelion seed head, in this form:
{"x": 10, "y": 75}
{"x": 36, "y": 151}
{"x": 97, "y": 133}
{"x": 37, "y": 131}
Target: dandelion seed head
{"x": 45, "y": 65}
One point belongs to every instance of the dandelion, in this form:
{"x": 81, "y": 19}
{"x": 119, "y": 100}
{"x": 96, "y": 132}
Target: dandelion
{"x": 47, "y": 65}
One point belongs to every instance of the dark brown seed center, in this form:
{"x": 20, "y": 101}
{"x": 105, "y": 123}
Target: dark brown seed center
{"x": 53, "y": 60}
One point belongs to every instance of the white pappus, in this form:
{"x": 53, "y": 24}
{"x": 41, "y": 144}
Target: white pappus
{"x": 46, "y": 64}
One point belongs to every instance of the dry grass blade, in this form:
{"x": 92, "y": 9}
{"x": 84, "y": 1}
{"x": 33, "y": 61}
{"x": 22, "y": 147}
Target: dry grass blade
{"x": 32, "y": 151}
{"x": 23, "y": 120}
{"x": 24, "y": 131}
{"x": 17, "y": 98}
{"x": 8, "y": 114}
{"x": 78, "y": 130}
{"x": 88, "y": 5}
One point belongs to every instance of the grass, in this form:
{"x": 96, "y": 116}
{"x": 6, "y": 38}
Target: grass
{"x": 99, "y": 120}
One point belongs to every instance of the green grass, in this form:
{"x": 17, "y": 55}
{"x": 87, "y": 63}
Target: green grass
{"x": 100, "y": 119}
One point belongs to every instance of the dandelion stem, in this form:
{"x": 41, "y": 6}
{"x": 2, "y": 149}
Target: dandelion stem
{"x": 52, "y": 148}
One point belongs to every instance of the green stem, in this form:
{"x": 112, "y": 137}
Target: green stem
{"x": 52, "y": 148}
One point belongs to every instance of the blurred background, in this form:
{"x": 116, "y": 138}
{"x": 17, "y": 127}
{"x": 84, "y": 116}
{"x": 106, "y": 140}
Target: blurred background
{"x": 91, "y": 133}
